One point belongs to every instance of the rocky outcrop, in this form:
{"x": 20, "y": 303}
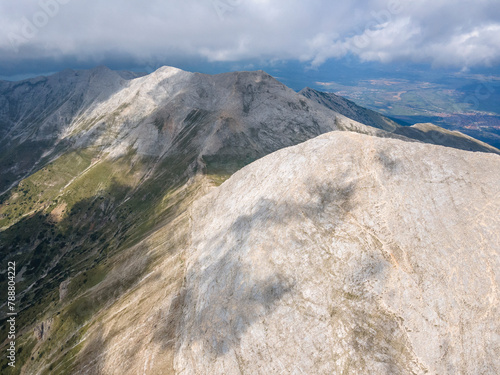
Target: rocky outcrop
{"x": 347, "y": 254}
{"x": 41, "y": 331}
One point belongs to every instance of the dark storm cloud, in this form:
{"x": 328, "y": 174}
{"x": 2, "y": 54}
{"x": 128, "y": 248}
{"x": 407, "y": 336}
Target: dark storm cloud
{"x": 439, "y": 32}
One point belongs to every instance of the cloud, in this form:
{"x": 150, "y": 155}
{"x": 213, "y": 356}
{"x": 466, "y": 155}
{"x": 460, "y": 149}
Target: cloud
{"x": 439, "y": 32}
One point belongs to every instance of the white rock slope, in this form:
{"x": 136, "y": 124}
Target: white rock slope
{"x": 347, "y": 254}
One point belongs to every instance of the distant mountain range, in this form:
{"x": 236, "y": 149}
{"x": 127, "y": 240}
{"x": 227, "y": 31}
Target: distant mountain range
{"x": 460, "y": 101}
{"x": 342, "y": 253}
{"x": 425, "y": 132}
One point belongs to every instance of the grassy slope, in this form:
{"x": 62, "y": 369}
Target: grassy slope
{"x": 79, "y": 221}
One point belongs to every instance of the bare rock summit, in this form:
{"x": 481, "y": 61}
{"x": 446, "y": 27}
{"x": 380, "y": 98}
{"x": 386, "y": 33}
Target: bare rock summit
{"x": 347, "y": 254}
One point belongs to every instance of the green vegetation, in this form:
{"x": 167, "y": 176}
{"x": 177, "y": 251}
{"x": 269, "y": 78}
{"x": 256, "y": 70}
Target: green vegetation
{"x": 80, "y": 222}
{"x": 42, "y": 188}
{"x": 19, "y": 157}
{"x": 24, "y": 348}
{"x": 219, "y": 168}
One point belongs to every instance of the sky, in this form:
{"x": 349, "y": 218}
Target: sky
{"x": 40, "y": 36}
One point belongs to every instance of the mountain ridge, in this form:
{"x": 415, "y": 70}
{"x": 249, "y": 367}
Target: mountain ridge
{"x": 99, "y": 190}
{"x": 428, "y": 133}
{"x": 75, "y": 109}
{"x": 99, "y": 108}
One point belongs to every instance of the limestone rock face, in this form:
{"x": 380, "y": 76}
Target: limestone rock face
{"x": 347, "y": 254}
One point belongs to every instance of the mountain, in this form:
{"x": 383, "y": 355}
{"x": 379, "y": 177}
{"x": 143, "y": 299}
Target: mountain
{"x": 34, "y": 113}
{"x": 350, "y": 109}
{"x": 100, "y": 171}
{"x": 44, "y": 117}
{"x": 346, "y": 254}
{"x": 98, "y": 178}
{"x": 428, "y": 133}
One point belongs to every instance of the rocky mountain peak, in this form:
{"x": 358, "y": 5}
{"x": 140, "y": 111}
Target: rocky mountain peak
{"x": 188, "y": 223}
